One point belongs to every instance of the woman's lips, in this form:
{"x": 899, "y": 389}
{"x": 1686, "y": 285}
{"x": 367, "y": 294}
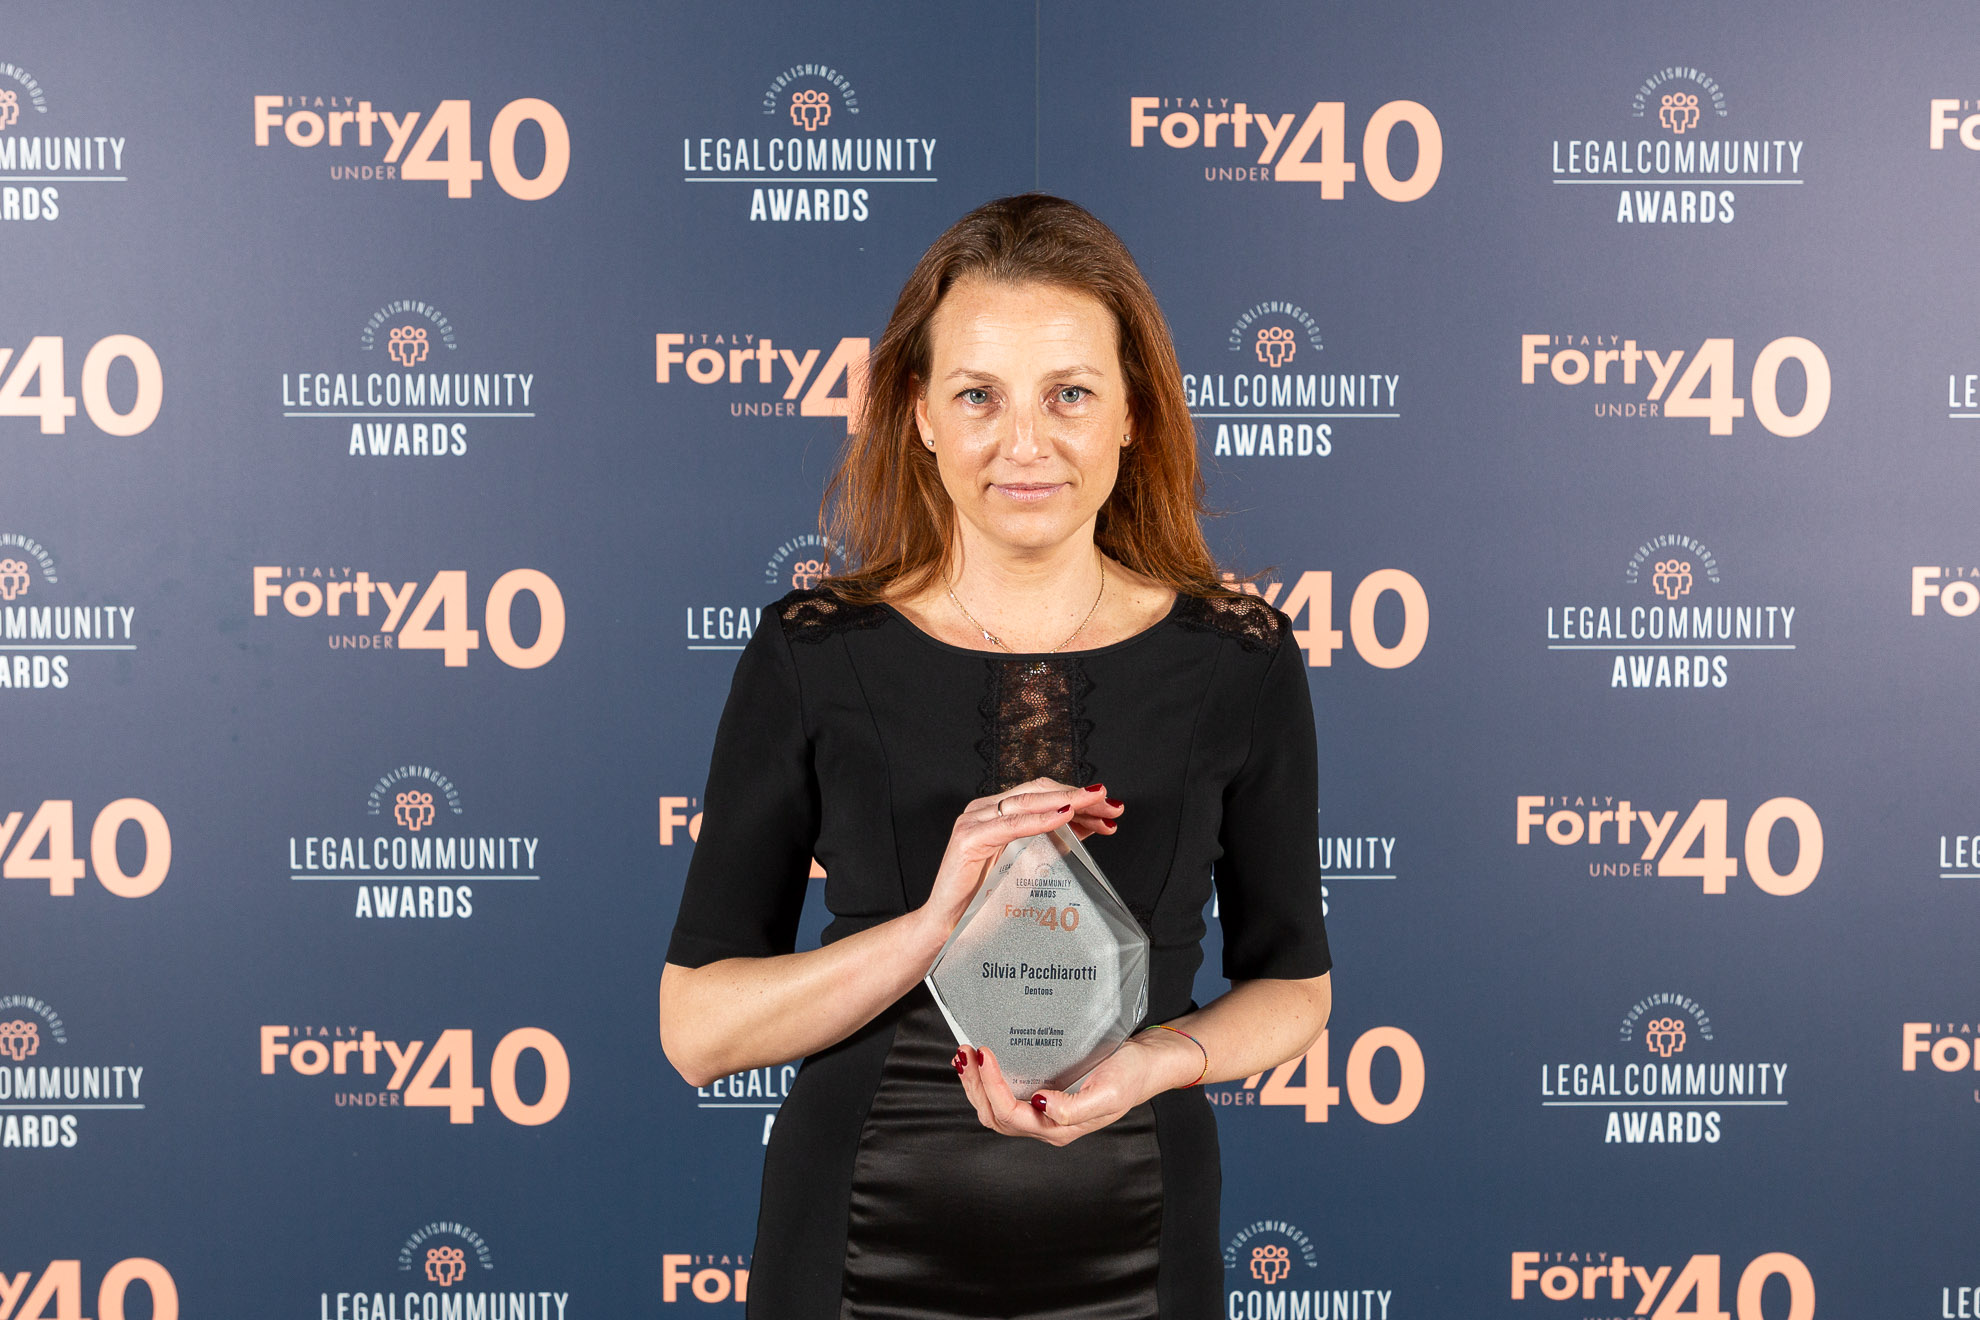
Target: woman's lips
{"x": 1030, "y": 492}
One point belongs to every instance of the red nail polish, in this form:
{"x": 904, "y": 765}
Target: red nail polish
{"x": 1038, "y": 1103}
{"x": 1113, "y": 802}
{"x": 979, "y": 1058}
{"x": 1094, "y": 788}
{"x": 959, "y": 1060}
{"x": 1063, "y": 810}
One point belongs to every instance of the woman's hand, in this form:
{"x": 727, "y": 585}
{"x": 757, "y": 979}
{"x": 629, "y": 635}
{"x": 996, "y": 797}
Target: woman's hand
{"x": 982, "y": 831}
{"x": 1144, "y": 1066}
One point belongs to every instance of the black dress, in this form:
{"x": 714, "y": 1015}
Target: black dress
{"x": 853, "y": 736}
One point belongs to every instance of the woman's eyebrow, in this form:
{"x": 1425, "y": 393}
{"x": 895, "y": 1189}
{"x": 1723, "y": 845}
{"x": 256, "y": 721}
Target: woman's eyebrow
{"x": 971, "y": 373}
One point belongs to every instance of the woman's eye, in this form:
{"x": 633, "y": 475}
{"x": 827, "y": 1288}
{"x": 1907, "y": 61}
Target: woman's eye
{"x": 1073, "y": 393}
{"x": 975, "y": 398}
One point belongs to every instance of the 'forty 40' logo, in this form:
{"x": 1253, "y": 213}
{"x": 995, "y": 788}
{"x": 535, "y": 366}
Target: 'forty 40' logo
{"x": 1317, "y": 152}
{"x": 51, "y": 832}
{"x": 41, "y": 364}
{"x": 1313, "y": 595}
{"x": 445, "y": 596}
{"x": 1711, "y": 366}
{"x": 449, "y": 128}
{"x": 1317, "y": 1095}
{"x": 1697, "y": 1283}
{"x": 452, "y": 1054}
{"x": 1704, "y": 828}
{"x": 60, "y": 1288}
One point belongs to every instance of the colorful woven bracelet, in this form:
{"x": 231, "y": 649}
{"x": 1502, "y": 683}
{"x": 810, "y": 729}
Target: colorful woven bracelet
{"x": 1194, "y": 1041}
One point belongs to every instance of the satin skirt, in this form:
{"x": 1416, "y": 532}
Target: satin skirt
{"x": 950, "y": 1219}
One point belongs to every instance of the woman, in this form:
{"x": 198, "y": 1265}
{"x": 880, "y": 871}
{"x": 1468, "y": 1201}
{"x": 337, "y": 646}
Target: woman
{"x": 1030, "y": 633}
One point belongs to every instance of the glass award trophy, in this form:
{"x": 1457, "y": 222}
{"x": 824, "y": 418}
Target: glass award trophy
{"x": 1047, "y": 968}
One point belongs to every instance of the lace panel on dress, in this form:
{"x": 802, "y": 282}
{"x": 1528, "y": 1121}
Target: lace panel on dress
{"x": 1251, "y": 620}
{"x": 1034, "y": 722}
{"x": 813, "y": 616}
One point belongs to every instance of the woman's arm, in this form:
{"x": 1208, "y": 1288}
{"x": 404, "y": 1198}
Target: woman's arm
{"x": 738, "y": 1013}
{"x": 1253, "y": 1026}
{"x": 744, "y": 1013}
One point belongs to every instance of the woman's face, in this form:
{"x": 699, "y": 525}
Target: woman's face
{"x": 1025, "y": 406}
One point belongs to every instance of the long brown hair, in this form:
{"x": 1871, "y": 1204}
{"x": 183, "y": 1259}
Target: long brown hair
{"x": 885, "y": 508}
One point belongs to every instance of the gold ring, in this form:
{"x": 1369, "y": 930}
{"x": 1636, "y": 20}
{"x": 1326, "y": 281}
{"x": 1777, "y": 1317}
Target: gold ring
{"x": 1000, "y": 806}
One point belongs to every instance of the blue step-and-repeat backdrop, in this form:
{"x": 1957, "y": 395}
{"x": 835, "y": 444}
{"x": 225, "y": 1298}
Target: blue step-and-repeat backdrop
{"x": 406, "y": 412}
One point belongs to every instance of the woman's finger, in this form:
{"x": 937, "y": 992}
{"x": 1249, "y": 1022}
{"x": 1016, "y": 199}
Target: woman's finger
{"x": 1037, "y": 794}
{"x": 966, "y": 1073}
{"x": 972, "y": 1082}
{"x": 988, "y": 1097}
{"x": 991, "y": 832}
{"x": 1047, "y": 794}
{"x": 1057, "y": 1107}
{"x": 1101, "y": 817}
{"x": 1096, "y": 1104}
{"x": 1028, "y": 786}
{"x": 1010, "y": 1111}
{"x": 997, "y": 831}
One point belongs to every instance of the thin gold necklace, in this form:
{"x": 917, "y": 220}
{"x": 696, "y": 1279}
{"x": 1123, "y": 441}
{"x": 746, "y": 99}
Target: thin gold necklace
{"x": 994, "y": 640}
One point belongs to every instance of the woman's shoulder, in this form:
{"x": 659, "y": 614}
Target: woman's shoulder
{"x": 810, "y": 615}
{"x": 1251, "y": 622}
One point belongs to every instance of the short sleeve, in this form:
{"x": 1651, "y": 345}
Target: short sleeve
{"x": 760, "y": 814}
{"x": 1268, "y": 879}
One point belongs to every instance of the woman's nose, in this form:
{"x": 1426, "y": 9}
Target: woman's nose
{"x": 1025, "y": 441}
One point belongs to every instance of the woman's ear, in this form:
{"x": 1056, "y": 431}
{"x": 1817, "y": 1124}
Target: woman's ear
{"x": 921, "y": 422}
